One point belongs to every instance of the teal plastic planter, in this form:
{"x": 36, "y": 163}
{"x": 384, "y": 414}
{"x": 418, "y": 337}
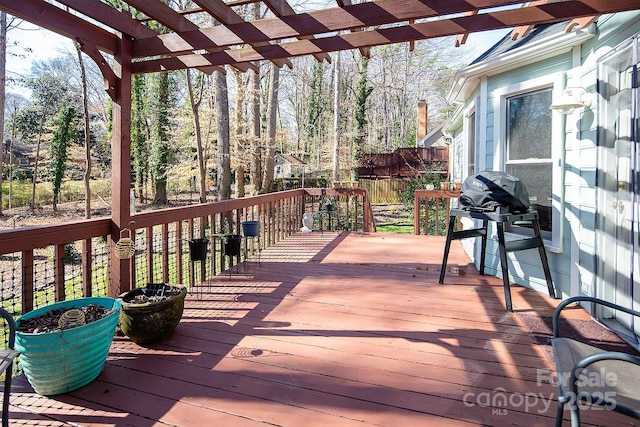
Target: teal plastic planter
{"x": 63, "y": 361}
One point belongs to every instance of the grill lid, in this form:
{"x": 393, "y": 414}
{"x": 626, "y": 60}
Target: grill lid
{"x": 494, "y": 191}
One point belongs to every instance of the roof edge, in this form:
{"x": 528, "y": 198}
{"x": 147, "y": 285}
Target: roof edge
{"x": 467, "y": 79}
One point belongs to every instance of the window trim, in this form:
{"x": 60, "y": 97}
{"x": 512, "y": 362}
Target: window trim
{"x": 501, "y": 95}
{"x": 470, "y": 111}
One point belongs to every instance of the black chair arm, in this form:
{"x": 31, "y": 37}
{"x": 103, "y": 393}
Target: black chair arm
{"x": 12, "y": 327}
{"x": 565, "y": 303}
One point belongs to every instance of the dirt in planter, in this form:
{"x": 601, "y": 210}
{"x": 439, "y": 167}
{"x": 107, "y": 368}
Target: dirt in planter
{"x": 154, "y": 292}
{"x": 50, "y": 321}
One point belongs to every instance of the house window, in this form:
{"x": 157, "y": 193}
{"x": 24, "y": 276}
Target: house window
{"x": 471, "y": 155}
{"x": 529, "y": 149}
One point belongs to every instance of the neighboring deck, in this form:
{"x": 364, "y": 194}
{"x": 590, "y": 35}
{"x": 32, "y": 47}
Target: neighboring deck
{"x": 331, "y": 330}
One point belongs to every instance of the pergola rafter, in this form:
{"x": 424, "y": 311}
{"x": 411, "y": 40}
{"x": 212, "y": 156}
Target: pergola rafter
{"x": 215, "y": 35}
{"x": 551, "y": 12}
{"x": 230, "y": 40}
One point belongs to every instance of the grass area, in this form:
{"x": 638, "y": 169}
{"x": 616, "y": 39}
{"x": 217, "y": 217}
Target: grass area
{"x": 71, "y": 191}
{"x": 395, "y": 227}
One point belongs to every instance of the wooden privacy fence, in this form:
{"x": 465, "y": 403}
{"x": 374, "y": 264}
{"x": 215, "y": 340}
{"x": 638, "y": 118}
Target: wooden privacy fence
{"x": 384, "y": 190}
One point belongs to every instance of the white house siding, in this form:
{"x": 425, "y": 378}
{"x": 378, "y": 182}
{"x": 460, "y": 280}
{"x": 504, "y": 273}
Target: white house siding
{"x": 525, "y": 267}
{"x": 572, "y": 261}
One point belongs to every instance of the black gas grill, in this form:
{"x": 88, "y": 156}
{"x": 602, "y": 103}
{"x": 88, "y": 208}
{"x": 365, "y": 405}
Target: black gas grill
{"x": 501, "y": 198}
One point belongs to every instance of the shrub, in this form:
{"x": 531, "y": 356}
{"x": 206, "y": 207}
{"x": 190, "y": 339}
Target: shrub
{"x": 407, "y": 196}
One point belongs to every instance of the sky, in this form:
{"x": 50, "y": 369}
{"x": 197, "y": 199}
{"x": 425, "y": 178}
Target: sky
{"x": 44, "y": 44}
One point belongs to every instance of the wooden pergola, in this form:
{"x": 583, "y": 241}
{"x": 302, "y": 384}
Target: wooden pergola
{"x": 123, "y": 44}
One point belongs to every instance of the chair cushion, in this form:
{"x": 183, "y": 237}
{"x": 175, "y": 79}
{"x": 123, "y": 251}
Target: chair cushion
{"x": 613, "y": 379}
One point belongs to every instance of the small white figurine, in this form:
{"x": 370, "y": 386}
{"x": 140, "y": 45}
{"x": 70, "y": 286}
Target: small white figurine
{"x": 307, "y": 222}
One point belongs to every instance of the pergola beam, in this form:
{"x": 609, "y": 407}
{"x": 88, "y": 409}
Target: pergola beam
{"x": 462, "y": 38}
{"x": 445, "y": 27}
{"x": 176, "y": 22}
{"x": 523, "y": 30}
{"x": 225, "y": 15}
{"x": 317, "y": 32}
{"x": 116, "y": 19}
{"x": 59, "y": 21}
{"x": 364, "y": 51}
{"x": 316, "y": 23}
{"x": 372, "y": 15}
{"x": 282, "y": 8}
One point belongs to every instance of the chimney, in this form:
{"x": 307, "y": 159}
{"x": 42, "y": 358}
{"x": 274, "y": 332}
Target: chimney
{"x": 422, "y": 119}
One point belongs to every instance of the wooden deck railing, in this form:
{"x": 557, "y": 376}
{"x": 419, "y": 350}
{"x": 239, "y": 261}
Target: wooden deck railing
{"x": 352, "y": 208}
{"x": 44, "y": 264}
{"x": 431, "y": 211}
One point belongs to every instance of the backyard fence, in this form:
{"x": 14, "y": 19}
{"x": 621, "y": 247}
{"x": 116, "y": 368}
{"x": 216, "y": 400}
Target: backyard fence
{"x": 384, "y": 190}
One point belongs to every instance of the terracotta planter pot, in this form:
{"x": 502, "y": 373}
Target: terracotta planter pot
{"x": 154, "y": 320}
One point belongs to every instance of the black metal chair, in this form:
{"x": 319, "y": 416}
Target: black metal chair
{"x": 6, "y": 364}
{"x": 588, "y": 375}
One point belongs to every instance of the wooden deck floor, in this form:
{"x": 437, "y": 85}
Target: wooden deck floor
{"x": 330, "y": 330}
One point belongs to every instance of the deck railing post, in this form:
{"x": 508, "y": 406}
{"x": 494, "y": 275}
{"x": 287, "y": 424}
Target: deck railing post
{"x": 58, "y": 271}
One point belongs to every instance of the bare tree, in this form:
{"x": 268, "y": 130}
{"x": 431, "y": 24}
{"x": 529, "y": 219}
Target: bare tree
{"x": 87, "y": 135}
{"x": 336, "y": 118}
{"x": 255, "y": 167}
{"x": 16, "y": 103}
{"x": 239, "y": 163}
{"x": 272, "y": 111}
{"x": 195, "y": 101}
{"x": 255, "y": 173}
{"x": 224, "y": 152}
{"x": 5, "y": 25}
{"x": 3, "y": 80}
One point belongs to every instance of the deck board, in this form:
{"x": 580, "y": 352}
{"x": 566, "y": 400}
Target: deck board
{"x": 327, "y": 329}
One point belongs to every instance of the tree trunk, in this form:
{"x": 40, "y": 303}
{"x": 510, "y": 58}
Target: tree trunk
{"x": 3, "y": 80}
{"x": 160, "y": 150}
{"x": 241, "y": 140}
{"x": 336, "y": 119}
{"x": 10, "y": 149}
{"x": 272, "y": 110}
{"x": 87, "y": 136}
{"x": 255, "y": 171}
{"x": 37, "y": 161}
{"x": 363, "y": 90}
{"x": 64, "y": 131}
{"x": 140, "y": 137}
{"x": 195, "y": 109}
{"x": 224, "y": 152}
